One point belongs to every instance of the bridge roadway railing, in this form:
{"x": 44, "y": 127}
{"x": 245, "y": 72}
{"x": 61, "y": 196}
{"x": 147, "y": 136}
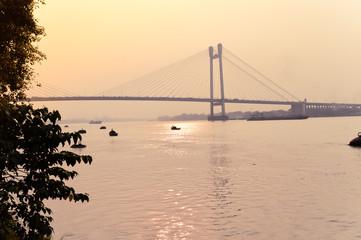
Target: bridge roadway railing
{"x": 308, "y": 105}
{"x": 179, "y": 99}
{"x": 314, "y": 105}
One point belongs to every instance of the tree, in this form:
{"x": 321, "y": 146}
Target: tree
{"x": 30, "y": 161}
{"x": 30, "y": 169}
{"x": 19, "y": 32}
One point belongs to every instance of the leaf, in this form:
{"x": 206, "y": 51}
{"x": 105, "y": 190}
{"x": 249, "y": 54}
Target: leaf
{"x": 29, "y": 156}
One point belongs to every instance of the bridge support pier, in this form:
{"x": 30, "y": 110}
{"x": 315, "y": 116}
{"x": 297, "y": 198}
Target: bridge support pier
{"x": 299, "y": 108}
{"x": 213, "y": 103}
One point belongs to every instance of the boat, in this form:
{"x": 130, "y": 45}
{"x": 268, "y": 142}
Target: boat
{"x": 95, "y": 122}
{"x": 103, "y": 127}
{"x": 356, "y": 142}
{"x": 175, "y": 128}
{"x": 79, "y": 145}
{"x": 82, "y": 131}
{"x": 113, "y": 133}
{"x": 261, "y": 117}
{"x": 66, "y": 126}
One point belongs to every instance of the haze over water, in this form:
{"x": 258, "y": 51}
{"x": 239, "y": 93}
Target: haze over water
{"x": 294, "y": 179}
{"x": 310, "y": 48}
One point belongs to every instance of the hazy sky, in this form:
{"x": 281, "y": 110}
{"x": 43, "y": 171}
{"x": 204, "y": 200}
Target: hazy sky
{"x": 312, "y": 48}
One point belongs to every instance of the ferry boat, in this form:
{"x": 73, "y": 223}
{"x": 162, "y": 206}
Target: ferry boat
{"x": 95, "y": 122}
{"x": 261, "y": 117}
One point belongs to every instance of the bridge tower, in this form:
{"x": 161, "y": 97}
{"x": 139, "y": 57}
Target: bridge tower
{"x": 213, "y": 102}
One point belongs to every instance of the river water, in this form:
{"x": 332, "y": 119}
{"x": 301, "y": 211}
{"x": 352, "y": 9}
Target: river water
{"x": 291, "y": 179}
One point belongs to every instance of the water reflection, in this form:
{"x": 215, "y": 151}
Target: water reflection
{"x": 223, "y": 212}
{"x": 174, "y": 229}
{"x": 176, "y": 220}
{"x": 173, "y": 223}
{"x": 193, "y": 186}
{"x": 187, "y": 132}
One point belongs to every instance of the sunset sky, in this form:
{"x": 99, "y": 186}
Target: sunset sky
{"x": 312, "y": 48}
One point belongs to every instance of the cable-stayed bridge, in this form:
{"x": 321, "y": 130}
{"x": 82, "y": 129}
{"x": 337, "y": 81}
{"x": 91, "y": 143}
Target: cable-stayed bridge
{"x": 216, "y": 76}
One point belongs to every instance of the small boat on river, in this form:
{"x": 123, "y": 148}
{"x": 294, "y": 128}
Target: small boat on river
{"x": 356, "y": 142}
{"x": 175, "y": 128}
{"x": 103, "y": 127}
{"x": 79, "y": 145}
{"x": 113, "y": 133}
{"x": 82, "y": 131}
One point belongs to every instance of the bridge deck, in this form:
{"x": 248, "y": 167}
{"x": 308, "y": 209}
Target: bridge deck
{"x": 170, "y": 99}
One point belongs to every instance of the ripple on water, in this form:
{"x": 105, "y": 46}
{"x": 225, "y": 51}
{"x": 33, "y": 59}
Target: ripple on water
{"x": 231, "y": 180}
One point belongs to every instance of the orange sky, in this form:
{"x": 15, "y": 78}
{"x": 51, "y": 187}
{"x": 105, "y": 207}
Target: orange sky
{"x": 311, "y": 48}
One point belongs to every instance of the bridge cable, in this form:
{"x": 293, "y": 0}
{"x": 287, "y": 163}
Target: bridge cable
{"x": 258, "y": 72}
{"x": 247, "y": 73}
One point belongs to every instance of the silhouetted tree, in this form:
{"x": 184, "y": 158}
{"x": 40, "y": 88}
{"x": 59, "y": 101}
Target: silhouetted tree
{"x": 30, "y": 169}
{"x": 19, "y": 32}
{"x": 30, "y": 160}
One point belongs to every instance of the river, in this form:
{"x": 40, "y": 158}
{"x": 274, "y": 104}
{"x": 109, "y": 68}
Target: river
{"x": 291, "y": 179}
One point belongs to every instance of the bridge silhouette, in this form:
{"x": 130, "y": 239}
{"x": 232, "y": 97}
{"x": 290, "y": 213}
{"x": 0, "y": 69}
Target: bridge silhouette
{"x": 216, "y": 76}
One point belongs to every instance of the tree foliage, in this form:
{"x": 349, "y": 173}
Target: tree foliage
{"x": 30, "y": 169}
{"x": 30, "y": 160}
{"x": 19, "y": 33}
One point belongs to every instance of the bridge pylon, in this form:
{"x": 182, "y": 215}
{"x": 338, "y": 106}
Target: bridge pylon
{"x": 213, "y": 102}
